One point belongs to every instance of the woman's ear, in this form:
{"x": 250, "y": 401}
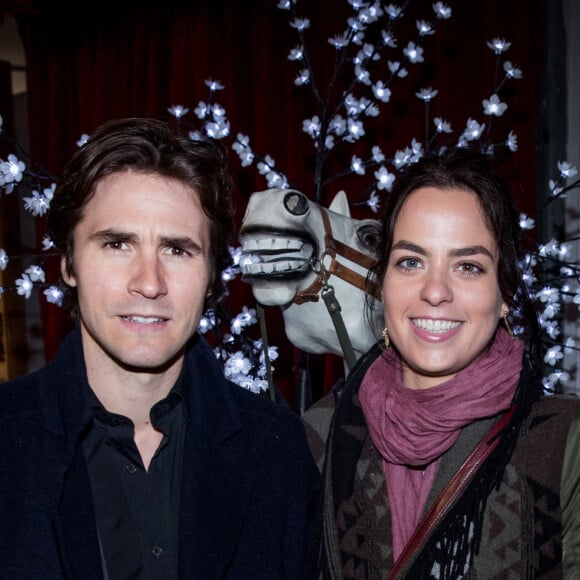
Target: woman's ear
{"x": 66, "y": 273}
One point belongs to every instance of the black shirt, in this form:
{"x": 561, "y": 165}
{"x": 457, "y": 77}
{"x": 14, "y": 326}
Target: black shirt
{"x": 137, "y": 511}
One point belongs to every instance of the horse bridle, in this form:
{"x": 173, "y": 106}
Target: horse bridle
{"x": 334, "y": 248}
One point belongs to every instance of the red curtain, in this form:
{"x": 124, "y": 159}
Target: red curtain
{"x": 89, "y": 62}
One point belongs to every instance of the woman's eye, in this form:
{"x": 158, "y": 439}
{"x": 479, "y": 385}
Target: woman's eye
{"x": 470, "y": 268}
{"x": 409, "y": 263}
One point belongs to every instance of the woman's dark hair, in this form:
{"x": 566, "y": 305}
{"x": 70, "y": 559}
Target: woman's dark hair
{"x": 145, "y": 146}
{"x": 473, "y": 171}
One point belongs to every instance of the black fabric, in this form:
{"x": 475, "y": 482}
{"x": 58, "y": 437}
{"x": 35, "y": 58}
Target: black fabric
{"x": 137, "y": 510}
{"x": 345, "y": 449}
{"x": 240, "y": 515}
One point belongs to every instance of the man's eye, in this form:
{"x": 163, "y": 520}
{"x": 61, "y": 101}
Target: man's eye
{"x": 116, "y": 245}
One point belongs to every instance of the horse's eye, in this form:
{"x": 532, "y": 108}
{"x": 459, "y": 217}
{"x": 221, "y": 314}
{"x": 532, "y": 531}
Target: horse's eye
{"x": 369, "y": 236}
{"x": 296, "y": 203}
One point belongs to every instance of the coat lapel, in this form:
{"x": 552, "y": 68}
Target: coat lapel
{"x": 75, "y": 524}
{"x": 214, "y": 499}
{"x": 217, "y": 484}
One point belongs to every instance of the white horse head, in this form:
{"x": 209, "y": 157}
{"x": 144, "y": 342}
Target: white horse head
{"x": 294, "y": 250}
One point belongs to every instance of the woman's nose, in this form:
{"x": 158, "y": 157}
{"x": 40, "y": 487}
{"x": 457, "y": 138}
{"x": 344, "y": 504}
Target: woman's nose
{"x": 436, "y": 288}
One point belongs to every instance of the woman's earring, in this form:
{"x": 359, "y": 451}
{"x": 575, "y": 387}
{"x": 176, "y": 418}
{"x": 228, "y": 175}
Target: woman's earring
{"x": 386, "y": 337}
{"x": 507, "y": 325}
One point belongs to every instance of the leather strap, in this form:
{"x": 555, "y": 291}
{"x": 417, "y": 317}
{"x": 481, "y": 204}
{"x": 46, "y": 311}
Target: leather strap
{"x": 452, "y": 491}
{"x": 333, "y": 248}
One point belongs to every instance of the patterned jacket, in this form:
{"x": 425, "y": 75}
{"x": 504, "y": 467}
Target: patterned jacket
{"x": 521, "y": 530}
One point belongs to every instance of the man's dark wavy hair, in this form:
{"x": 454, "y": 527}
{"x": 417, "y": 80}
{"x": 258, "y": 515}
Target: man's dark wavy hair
{"x": 146, "y": 146}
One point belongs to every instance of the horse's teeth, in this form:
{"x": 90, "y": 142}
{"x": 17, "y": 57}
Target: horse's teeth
{"x": 250, "y": 245}
{"x": 273, "y": 244}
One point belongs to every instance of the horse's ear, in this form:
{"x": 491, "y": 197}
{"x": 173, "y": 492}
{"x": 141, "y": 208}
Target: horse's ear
{"x": 340, "y": 204}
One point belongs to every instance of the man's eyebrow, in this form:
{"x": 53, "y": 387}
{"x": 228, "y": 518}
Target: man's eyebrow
{"x": 110, "y": 235}
{"x": 184, "y": 242}
{"x": 456, "y": 253}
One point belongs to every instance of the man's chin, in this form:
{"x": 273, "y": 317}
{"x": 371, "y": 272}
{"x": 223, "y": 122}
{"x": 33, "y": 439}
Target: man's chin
{"x": 150, "y": 363}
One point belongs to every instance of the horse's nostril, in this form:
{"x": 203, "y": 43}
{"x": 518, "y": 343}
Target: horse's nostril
{"x": 296, "y": 203}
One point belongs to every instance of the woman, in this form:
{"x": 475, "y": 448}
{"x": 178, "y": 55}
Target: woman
{"x": 440, "y": 458}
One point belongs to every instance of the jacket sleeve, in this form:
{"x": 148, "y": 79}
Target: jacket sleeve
{"x": 570, "y": 502}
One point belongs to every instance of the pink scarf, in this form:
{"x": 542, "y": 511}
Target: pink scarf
{"x": 412, "y": 428}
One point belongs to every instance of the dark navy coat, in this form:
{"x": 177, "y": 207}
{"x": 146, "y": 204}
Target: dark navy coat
{"x": 248, "y": 496}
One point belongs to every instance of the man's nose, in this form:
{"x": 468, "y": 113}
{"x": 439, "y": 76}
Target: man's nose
{"x": 148, "y": 276}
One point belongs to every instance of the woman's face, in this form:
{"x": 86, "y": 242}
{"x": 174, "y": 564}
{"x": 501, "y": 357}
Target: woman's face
{"x": 441, "y": 294}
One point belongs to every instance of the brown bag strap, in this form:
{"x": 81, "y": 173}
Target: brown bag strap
{"x": 452, "y": 491}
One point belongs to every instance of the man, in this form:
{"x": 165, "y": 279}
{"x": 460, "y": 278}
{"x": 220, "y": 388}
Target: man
{"x": 130, "y": 455}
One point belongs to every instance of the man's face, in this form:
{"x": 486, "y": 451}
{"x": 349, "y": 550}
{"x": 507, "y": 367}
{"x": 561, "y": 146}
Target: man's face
{"x": 141, "y": 268}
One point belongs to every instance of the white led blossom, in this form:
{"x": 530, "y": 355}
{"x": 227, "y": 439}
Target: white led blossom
{"x": 376, "y": 66}
{"x": 3, "y": 259}
{"x": 82, "y": 140}
{"x": 24, "y": 286}
{"x": 381, "y": 92}
{"x": 566, "y": 170}
{"x": 414, "y": 53}
{"x": 442, "y": 126}
{"x": 214, "y": 85}
{"x": 511, "y": 71}
{"x": 499, "y": 45}
{"x": 512, "y": 142}
{"x": 357, "y": 165}
{"x": 54, "y": 295}
{"x": 424, "y": 28}
{"x": 493, "y": 106}
{"x": 11, "y": 172}
{"x": 426, "y": 94}
{"x": 384, "y": 179}
{"x": 178, "y": 111}
{"x": 442, "y": 10}
{"x": 373, "y": 202}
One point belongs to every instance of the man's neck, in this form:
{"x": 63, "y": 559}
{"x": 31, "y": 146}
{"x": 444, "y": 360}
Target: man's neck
{"x": 133, "y": 395}
{"x": 130, "y": 392}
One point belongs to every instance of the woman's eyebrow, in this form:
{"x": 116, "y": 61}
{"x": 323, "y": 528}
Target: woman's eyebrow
{"x": 410, "y": 247}
{"x": 471, "y": 251}
{"x": 455, "y": 253}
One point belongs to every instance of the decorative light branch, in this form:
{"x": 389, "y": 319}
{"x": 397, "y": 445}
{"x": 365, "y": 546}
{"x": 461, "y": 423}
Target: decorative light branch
{"x": 343, "y": 109}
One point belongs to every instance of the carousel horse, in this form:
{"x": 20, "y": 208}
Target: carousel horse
{"x": 312, "y": 262}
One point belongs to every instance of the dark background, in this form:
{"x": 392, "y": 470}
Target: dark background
{"x": 88, "y": 62}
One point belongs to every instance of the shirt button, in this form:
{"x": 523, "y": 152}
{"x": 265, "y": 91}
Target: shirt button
{"x": 131, "y": 468}
{"x": 157, "y": 551}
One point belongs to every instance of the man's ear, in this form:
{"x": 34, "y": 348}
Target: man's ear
{"x": 67, "y": 276}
